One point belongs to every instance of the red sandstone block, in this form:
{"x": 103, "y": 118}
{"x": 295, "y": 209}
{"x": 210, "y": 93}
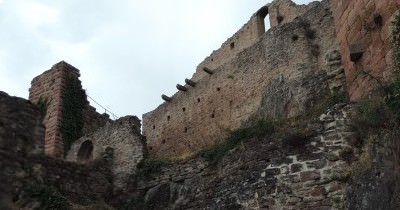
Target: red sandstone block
{"x": 352, "y": 17}
{"x": 389, "y": 57}
{"x": 345, "y": 5}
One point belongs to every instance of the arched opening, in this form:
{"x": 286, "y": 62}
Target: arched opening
{"x": 262, "y": 20}
{"x": 85, "y": 152}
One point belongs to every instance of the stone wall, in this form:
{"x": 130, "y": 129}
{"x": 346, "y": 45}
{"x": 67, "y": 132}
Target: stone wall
{"x": 23, "y": 163}
{"x": 80, "y": 184}
{"x": 123, "y": 138}
{"x": 21, "y": 128}
{"x": 364, "y": 32}
{"x": 246, "y": 36}
{"x": 289, "y": 69}
{"x": 285, "y": 11}
{"x": 288, "y": 170}
{"x": 50, "y": 87}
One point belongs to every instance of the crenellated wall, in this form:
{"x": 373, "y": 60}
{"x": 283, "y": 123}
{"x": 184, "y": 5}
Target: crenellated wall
{"x": 287, "y": 70}
{"x": 363, "y": 30}
{"x": 50, "y": 87}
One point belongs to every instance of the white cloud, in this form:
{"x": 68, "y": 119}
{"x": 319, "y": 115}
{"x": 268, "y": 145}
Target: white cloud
{"x": 35, "y": 14}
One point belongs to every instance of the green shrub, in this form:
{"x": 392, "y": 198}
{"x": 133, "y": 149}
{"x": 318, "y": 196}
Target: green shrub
{"x": 260, "y": 129}
{"x": 373, "y": 117}
{"x": 48, "y": 197}
{"x": 151, "y": 166}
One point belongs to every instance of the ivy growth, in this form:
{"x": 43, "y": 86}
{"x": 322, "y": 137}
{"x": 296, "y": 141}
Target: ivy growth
{"x": 393, "y": 95}
{"x": 74, "y": 101}
{"x": 43, "y": 104}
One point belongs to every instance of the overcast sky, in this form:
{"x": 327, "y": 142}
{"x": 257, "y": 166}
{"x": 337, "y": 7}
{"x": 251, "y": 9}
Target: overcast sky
{"x": 129, "y": 52}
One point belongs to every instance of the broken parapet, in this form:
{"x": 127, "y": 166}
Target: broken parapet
{"x": 123, "y": 137}
{"x": 285, "y": 11}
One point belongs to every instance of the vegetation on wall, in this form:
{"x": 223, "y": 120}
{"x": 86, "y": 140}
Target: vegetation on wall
{"x": 74, "y": 101}
{"x": 43, "y": 104}
{"x": 150, "y": 166}
{"x": 393, "y": 94}
{"x": 374, "y": 116}
{"x": 260, "y": 129}
{"x": 48, "y": 197}
{"x": 263, "y": 127}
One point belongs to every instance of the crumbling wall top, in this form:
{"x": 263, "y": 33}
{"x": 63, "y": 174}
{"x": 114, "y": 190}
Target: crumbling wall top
{"x": 284, "y": 11}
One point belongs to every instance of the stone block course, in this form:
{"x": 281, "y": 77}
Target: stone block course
{"x": 263, "y": 174}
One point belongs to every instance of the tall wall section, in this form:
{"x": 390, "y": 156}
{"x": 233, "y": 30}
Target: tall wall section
{"x": 290, "y": 68}
{"x": 50, "y": 88}
{"x": 364, "y": 32}
{"x": 246, "y": 36}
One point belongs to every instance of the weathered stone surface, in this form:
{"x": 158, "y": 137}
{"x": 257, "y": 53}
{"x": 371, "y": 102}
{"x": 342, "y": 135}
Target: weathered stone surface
{"x": 50, "y": 86}
{"x": 259, "y": 174}
{"x": 282, "y": 78}
{"x": 313, "y": 166}
{"x": 374, "y": 183}
{"x": 81, "y": 184}
{"x": 285, "y": 11}
{"x": 355, "y": 23}
{"x": 123, "y": 138}
{"x": 21, "y": 128}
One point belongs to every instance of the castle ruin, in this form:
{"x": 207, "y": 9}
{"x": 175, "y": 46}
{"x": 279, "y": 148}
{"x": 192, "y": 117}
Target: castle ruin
{"x": 310, "y": 52}
{"x": 239, "y": 81}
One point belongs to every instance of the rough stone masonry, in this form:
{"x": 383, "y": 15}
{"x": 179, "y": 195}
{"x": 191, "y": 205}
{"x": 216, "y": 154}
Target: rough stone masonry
{"x": 283, "y": 72}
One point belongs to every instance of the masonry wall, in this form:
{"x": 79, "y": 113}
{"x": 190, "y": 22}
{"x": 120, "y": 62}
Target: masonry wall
{"x": 80, "y": 184}
{"x": 21, "y": 128}
{"x": 123, "y": 137}
{"x": 285, "y": 11}
{"x": 364, "y": 26}
{"x": 286, "y": 58}
{"x": 287, "y": 171}
{"x": 50, "y": 86}
{"x": 246, "y": 36}
{"x": 23, "y": 163}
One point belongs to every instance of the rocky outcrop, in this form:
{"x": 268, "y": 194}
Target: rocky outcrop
{"x": 374, "y": 183}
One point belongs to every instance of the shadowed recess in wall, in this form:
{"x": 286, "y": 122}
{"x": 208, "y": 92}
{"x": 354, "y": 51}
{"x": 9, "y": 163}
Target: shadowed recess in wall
{"x": 72, "y": 112}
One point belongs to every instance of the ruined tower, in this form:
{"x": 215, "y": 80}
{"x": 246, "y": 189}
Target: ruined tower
{"x": 48, "y": 91}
